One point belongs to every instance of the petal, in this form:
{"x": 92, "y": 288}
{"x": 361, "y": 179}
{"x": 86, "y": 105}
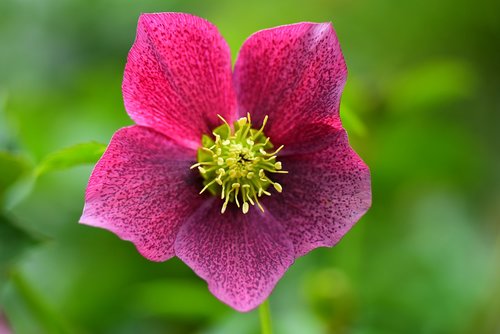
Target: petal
{"x": 142, "y": 190}
{"x": 242, "y": 257}
{"x": 178, "y": 77}
{"x": 295, "y": 74}
{"x": 325, "y": 192}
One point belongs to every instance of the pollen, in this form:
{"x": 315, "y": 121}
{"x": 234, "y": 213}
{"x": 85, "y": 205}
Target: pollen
{"x": 236, "y": 164}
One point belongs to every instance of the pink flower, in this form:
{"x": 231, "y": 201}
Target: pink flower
{"x": 177, "y": 80}
{"x": 4, "y": 325}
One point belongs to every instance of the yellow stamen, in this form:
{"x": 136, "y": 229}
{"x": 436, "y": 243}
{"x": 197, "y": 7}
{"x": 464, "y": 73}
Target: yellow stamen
{"x": 236, "y": 164}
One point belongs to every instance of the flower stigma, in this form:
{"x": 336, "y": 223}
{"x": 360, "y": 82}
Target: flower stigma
{"x": 236, "y": 162}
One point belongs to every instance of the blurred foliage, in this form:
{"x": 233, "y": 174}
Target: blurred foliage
{"x": 12, "y": 168}
{"x": 13, "y": 241}
{"x": 75, "y": 155}
{"x": 421, "y": 106}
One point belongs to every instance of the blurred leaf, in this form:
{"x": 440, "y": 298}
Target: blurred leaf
{"x": 417, "y": 151}
{"x": 12, "y": 167}
{"x": 13, "y": 241}
{"x": 332, "y": 297}
{"x": 4, "y": 130}
{"x": 430, "y": 84}
{"x": 85, "y": 153}
{"x": 176, "y": 298}
{"x": 241, "y": 323}
{"x": 352, "y": 122}
{"x": 48, "y": 319}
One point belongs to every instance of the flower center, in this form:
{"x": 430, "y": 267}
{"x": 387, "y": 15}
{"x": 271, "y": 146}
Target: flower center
{"x": 236, "y": 164}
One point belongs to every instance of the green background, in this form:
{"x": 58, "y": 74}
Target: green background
{"x": 421, "y": 106}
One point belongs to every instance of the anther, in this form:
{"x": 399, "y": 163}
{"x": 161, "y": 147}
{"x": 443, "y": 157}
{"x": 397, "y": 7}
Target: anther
{"x": 237, "y": 162}
{"x": 242, "y": 121}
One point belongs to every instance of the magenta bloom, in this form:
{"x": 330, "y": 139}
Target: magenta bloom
{"x": 177, "y": 80}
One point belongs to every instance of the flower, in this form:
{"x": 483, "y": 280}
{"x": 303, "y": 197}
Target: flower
{"x": 191, "y": 111}
{"x": 4, "y": 325}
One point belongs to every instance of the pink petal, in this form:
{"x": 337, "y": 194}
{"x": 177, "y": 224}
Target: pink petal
{"x": 242, "y": 257}
{"x": 142, "y": 190}
{"x": 178, "y": 77}
{"x": 324, "y": 194}
{"x": 294, "y": 74}
{"x": 4, "y": 325}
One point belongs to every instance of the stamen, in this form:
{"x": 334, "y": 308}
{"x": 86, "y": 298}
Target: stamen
{"x": 262, "y": 127}
{"x": 208, "y": 185}
{"x": 237, "y": 187}
{"x": 225, "y": 122}
{"x": 236, "y": 161}
{"x": 208, "y": 150}
{"x": 245, "y": 207}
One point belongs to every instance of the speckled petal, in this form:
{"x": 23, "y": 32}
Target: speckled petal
{"x": 294, "y": 73}
{"x": 178, "y": 77}
{"x": 142, "y": 190}
{"x": 242, "y": 257}
{"x": 325, "y": 193}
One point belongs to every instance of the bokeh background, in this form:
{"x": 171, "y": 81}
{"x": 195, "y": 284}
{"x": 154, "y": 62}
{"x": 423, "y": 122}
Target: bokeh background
{"x": 421, "y": 105}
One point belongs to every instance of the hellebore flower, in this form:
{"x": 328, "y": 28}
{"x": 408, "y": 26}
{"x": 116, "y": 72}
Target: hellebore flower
{"x": 263, "y": 144}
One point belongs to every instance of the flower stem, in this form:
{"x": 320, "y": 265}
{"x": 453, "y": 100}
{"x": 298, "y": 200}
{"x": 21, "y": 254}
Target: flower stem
{"x": 265, "y": 318}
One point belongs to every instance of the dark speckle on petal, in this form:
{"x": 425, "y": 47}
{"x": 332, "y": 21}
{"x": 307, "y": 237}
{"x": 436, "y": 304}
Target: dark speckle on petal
{"x": 325, "y": 193}
{"x": 142, "y": 190}
{"x": 295, "y": 74}
{"x": 178, "y": 77}
{"x": 241, "y": 257}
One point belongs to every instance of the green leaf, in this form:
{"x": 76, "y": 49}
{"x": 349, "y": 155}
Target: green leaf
{"x": 431, "y": 84}
{"x": 85, "y": 153}
{"x": 13, "y": 241}
{"x": 12, "y": 167}
{"x": 351, "y": 121}
{"x": 47, "y": 319}
{"x": 175, "y": 298}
